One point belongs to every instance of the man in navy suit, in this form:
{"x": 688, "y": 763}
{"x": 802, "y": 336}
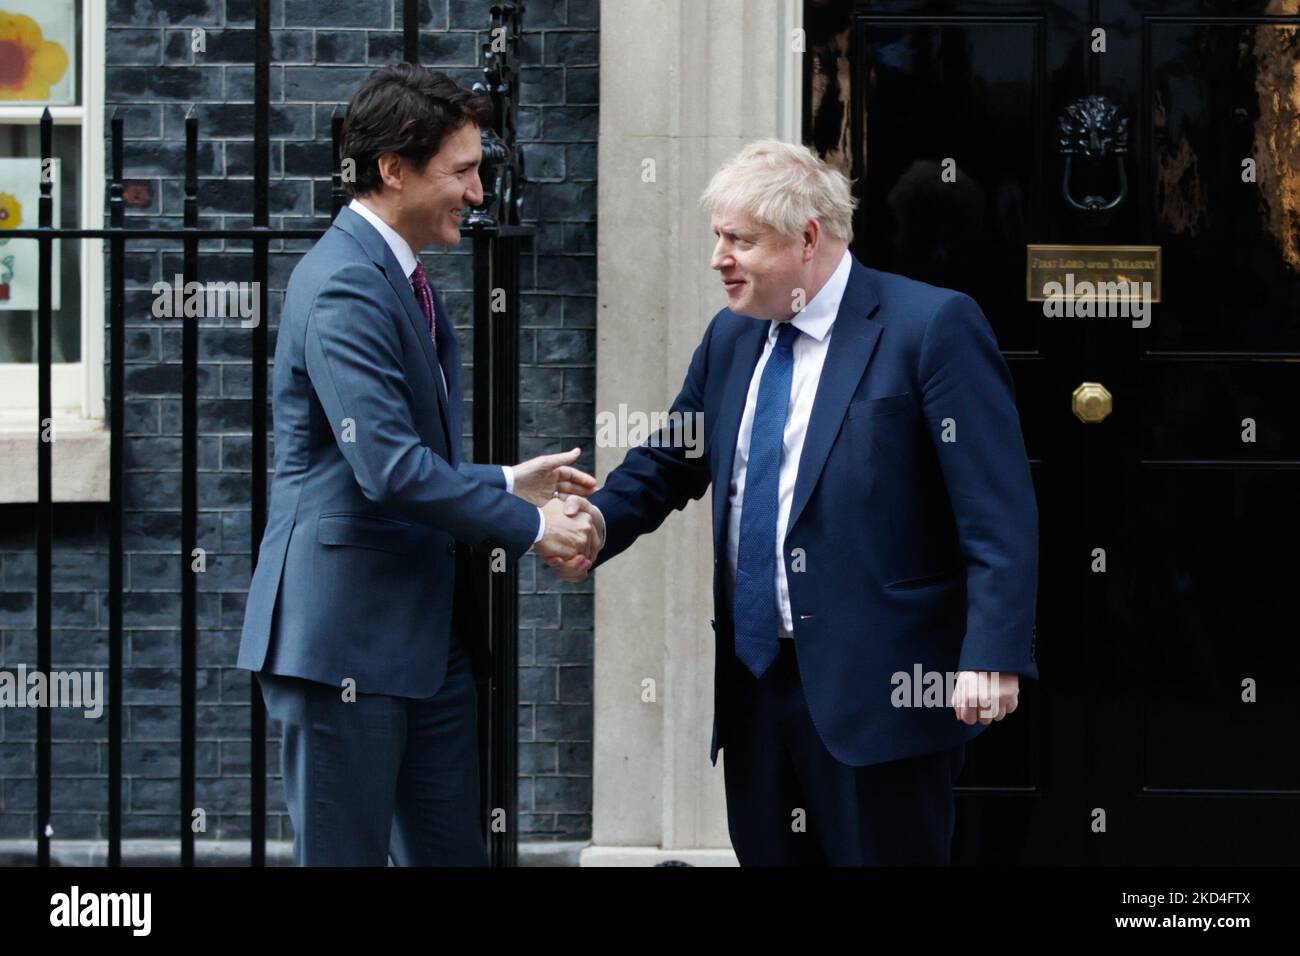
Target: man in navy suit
{"x": 349, "y": 622}
{"x": 874, "y": 526}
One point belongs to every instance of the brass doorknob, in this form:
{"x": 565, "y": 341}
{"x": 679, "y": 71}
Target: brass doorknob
{"x": 1092, "y": 402}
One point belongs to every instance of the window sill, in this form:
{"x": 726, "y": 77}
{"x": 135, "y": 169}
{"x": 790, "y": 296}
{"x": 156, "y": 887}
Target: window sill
{"x": 79, "y": 455}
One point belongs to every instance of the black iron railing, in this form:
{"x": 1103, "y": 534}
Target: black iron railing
{"x": 497, "y": 236}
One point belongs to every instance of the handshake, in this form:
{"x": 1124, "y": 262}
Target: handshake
{"x": 575, "y": 529}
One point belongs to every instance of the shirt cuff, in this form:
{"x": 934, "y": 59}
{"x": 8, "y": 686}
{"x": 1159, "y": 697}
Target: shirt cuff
{"x": 510, "y": 479}
{"x": 603, "y": 529}
{"x": 541, "y": 526}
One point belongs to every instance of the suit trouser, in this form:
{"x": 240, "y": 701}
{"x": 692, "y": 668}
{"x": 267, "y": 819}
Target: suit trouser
{"x": 381, "y": 776}
{"x": 775, "y": 765}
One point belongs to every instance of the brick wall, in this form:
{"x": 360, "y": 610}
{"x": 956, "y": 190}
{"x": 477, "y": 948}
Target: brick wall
{"x": 322, "y": 50}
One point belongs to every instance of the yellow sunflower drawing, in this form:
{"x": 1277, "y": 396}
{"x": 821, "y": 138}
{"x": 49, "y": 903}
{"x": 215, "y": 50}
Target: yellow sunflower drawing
{"x": 29, "y": 63}
{"x": 11, "y": 213}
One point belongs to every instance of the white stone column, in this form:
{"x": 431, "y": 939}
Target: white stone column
{"x": 685, "y": 84}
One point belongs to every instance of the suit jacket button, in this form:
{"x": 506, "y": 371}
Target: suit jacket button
{"x": 451, "y": 547}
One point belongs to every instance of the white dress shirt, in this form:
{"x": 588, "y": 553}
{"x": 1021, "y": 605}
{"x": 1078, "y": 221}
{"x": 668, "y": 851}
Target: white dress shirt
{"x": 815, "y": 323}
{"x": 406, "y": 259}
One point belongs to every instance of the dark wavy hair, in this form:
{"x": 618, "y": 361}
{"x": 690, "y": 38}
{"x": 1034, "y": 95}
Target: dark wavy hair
{"x": 408, "y": 110}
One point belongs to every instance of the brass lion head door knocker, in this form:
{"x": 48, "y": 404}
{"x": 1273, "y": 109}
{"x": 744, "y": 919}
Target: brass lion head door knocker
{"x": 1092, "y": 129}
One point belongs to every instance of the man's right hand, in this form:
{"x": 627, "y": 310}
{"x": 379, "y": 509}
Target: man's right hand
{"x": 575, "y": 569}
{"x": 567, "y": 535}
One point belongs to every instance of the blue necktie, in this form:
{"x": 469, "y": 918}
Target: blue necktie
{"x": 756, "y": 611}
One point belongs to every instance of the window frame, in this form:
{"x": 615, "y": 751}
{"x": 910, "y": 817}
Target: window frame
{"x": 76, "y": 388}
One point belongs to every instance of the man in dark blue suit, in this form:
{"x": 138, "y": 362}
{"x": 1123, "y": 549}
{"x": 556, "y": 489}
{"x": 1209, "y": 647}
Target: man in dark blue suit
{"x": 351, "y": 617}
{"x": 874, "y": 526}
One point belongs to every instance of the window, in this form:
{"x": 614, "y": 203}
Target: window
{"x": 52, "y": 54}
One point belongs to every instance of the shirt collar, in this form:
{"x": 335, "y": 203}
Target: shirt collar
{"x": 401, "y": 248}
{"x": 819, "y": 315}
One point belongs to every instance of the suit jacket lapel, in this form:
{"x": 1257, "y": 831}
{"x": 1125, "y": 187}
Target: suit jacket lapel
{"x": 853, "y": 339}
{"x": 377, "y": 249}
{"x": 448, "y": 351}
{"x": 745, "y": 355}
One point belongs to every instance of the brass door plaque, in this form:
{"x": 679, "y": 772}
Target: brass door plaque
{"x": 1107, "y": 270}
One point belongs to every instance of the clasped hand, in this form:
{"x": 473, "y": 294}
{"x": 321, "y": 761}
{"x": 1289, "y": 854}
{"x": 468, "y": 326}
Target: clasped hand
{"x": 574, "y": 529}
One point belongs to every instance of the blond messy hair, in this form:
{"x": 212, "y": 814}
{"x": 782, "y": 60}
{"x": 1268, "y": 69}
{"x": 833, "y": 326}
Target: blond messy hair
{"x": 784, "y": 186}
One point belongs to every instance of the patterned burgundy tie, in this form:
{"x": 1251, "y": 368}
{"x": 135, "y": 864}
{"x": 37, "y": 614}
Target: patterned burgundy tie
{"x": 424, "y": 294}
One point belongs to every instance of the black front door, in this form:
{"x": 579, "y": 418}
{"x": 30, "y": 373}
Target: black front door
{"x": 1165, "y": 726}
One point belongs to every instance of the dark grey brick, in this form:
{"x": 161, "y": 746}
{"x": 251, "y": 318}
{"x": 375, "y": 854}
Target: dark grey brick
{"x": 538, "y": 758}
{"x": 153, "y": 648}
{"x": 445, "y": 49}
{"x": 17, "y": 647}
{"x": 341, "y": 46}
{"x": 574, "y": 758}
{"x": 544, "y": 163}
{"x": 538, "y": 610}
{"x": 241, "y": 84}
{"x": 560, "y": 420}
{"x": 529, "y": 125}
{"x": 541, "y": 85}
{"x": 541, "y": 311}
{"x": 577, "y": 610}
{"x": 338, "y": 13}
{"x": 165, "y": 82}
{"x": 18, "y": 793}
{"x": 579, "y": 386}
{"x": 141, "y": 12}
{"x": 566, "y": 201}
{"x": 562, "y": 793}
{"x": 78, "y": 793}
{"x": 579, "y": 312}
{"x": 542, "y": 384}
{"x": 315, "y": 83}
{"x": 243, "y": 13}
{"x": 292, "y": 46}
{"x": 563, "y": 721}
{"x": 563, "y": 645}
{"x": 575, "y": 684}
{"x": 157, "y": 795}
{"x": 73, "y": 610}
{"x": 139, "y": 121}
{"x": 581, "y": 85}
{"x": 17, "y": 759}
{"x": 132, "y": 47}
{"x": 563, "y": 346}
{"x": 578, "y": 48}
{"x": 76, "y": 826}
{"x": 570, "y": 825}
{"x": 584, "y": 13}
{"x": 570, "y": 124}
{"x": 580, "y": 161}
{"x": 537, "y": 685}
{"x": 82, "y": 648}
{"x": 535, "y": 824}
{"x": 17, "y": 826}
{"x": 152, "y": 826}
{"x": 235, "y": 121}
{"x": 432, "y": 13}
{"x": 177, "y": 48}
